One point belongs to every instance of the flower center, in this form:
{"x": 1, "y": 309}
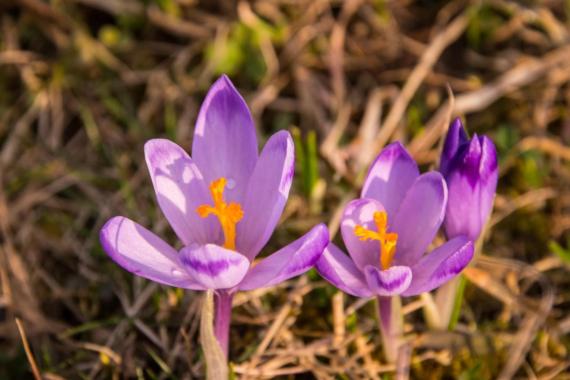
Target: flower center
{"x": 229, "y": 214}
{"x": 387, "y": 240}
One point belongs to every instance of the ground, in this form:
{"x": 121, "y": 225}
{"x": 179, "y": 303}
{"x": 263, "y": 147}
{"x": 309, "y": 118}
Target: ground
{"x": 83, "y": 85}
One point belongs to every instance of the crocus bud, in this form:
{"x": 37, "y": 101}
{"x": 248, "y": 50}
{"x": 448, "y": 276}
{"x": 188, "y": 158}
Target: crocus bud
{"x": 470, "y": 169}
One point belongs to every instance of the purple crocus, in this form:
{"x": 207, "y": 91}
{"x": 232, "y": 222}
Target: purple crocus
{"x": 223, "y": 204}
{"x": 470, "y": 169}
{"x": 387, "y": 232}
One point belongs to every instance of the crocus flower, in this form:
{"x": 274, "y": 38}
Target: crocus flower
{"x": 388, "y": 230}
{"x": 223, "y": 204}
{"x": 470, "y": 169}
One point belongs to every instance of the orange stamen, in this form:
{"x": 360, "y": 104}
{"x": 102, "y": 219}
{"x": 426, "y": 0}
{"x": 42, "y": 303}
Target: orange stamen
{"x": 229, "y": 214}
{"x": 388, "y": 240}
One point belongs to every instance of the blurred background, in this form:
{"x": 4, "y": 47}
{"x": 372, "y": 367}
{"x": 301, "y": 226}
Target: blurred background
{"x": 84, "y": 83}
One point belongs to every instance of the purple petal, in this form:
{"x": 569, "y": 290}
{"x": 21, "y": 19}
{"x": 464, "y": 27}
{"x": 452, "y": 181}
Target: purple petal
{"x": 288, "y": 262}
{"x": 489, "y": 164}
{"x": 440, "y": 266}
{"x": 477, "y": 161}
{"x": 180, "y": 189}
{"x": 419, "y": 217}
{"x": 267, "y": 194}
{"x": 456, "y": 137}
{"x": 224, "y": 143}
{"x": 361, "y": 212}
{"x": 339, "y": 269}
{"x": 390, "y": 176}
{"x": 472, "y": 184}
{"x": 214, "y": 267}
{"x": 488, "y": 168}
{"x": 390, "y": 282}
{"x": 469, "y": 161}
{"x": 141, "y": 252}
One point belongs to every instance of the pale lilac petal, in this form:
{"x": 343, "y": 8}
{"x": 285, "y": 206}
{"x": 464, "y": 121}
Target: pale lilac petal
{"x": 455, "y": 138}
{"x": 288, "y": 262}
{"x": 390, "y": 176}
{"x": 141, "y": 252}
{"x": 214, "y": 267}
{"x": 472, "y": 183}
{"x": 180, "y": 189}
{"x": 440, "y": 266}
{"x": 361, "y": 212}
{"x": 419, "y": 217}
{"x": 338, "y": 268}
{"x": 390, "y": 282}
{"x": 267, "y": 194}
{"x": 225, "y": 144}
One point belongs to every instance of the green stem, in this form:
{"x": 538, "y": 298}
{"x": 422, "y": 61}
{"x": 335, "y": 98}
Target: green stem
{"x": 458, "y": 302}
{"x": 446, "y": 302}
{"x": 449, "y": 297}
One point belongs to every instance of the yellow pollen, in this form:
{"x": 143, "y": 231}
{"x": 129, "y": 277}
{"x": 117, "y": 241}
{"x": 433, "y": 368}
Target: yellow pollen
{"x": 387, "y": 240}
{"x": 229, "y": 214}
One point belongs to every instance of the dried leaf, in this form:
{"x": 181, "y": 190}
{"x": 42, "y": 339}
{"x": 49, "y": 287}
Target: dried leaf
{"x": 216, "y": 364}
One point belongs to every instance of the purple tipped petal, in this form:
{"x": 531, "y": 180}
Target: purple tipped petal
{"x": 143, "y": 253}
{"x": 389, "y": 282}
{"x": 470, "y": 160}
{"x": 456, "y": 137}
{"x": 224, "y": 143}
{"x": 339, "y": 269}
{"x": 267, "y": 194}
{"x": 472, "y": 183}
{"x": 361, "y": 212}
{"x": 288, "y": 262}
{"x": 489, "y": 164}
{"x": 214, "y": 267}
{"x": 489, "y": 169}
{"x": 180, "y": 189}
{"x": 440, "y": 266}
{"x": 390, "y": 176}
{"x": 419, "y": 217}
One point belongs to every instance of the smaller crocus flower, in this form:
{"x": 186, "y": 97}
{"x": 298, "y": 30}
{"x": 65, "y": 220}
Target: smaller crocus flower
{"x": 387, "y": 232}
{"x": 223, "y": 203}
{"x": 470, "y": 169}
{"x": 389, "y": 229}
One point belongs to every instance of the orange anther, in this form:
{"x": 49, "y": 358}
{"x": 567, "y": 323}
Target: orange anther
{"x": 229, "y": 214}
{"x": 387, "y": 240}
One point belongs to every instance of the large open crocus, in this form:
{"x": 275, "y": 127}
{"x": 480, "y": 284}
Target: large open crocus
{"x": 387, "y": 233}
{"x": 223, "y": 204}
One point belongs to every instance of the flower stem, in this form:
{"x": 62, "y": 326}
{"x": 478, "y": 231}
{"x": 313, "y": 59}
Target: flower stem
{"x": 432, "y": 314}
{"x": 222, "y": 318}
{"x": 448, "y": 298}
{"x": 391, "y": 325}
{"x": 454, "y": 317}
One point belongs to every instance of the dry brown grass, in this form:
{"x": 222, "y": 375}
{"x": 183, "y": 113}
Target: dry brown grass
{"x": 84, "y": 83}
